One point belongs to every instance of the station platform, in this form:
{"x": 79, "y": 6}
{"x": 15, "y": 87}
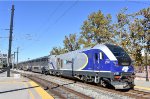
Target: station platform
{"x": 141, "y": 84}
{"x": 17, "y": 87}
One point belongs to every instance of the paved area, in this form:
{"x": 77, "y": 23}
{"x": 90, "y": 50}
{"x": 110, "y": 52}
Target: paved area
{"x": 29, "y": 90}
{"x": 142, "y": 84}
{"x": 16, "y": 87}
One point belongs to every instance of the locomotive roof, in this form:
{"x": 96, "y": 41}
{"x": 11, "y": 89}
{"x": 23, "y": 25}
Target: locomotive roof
{"x": 102, "y": 47}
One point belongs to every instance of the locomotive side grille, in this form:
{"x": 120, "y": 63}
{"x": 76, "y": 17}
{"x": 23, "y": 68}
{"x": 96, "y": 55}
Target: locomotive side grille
{"x": 126, "y": 74}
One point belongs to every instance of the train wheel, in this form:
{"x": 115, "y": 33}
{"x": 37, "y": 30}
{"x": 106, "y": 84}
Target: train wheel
{"x": 46, "y": 73}
{"x": 103, "y": 83}
{"x": 42, "y": 72}
{"x": 84, "y": 80}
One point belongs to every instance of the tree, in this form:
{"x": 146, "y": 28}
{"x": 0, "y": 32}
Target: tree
{"x": 121, "y": 30}
{"x": 57, "y": 51}
{"x": 130, "y": 32}
{"x": 71, "y": 42}
{"x": 136, "y": 31}
{"x": 138, "y": 57}
{"x": 145, "y": 35}
{"x": 140, "y": 30}
{"x": 96, "y": 29}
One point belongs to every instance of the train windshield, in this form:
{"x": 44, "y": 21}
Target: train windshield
{"x": 122, "y": 57}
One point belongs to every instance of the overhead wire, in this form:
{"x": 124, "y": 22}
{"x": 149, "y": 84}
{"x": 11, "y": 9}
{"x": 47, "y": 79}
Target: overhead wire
{"x": 62, "y": 15}
{"x": 44, "y": 23}
{"x": 138, "y": 2}
{"x": 65, "y": 12}
{"x": 37, "y": 32}
{"x": 51, "y": 15}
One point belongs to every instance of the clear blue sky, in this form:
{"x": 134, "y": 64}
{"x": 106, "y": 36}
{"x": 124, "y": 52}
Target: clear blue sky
{"x": 41, "y": 25}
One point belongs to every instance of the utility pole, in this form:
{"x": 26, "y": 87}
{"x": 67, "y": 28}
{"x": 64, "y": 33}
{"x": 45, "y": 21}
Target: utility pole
{"x": 72, "y": 67}
{"x": 146, "y": 66}
{"x": 17, "y": 56}
{"x": 10, "y": 41}
{"x": 14, "y": 59}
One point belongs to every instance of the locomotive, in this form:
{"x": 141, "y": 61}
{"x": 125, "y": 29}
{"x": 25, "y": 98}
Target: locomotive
{"x": 103, "y": 64}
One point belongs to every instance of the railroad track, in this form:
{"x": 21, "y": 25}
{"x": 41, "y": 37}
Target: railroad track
{"x": 3, "y": 70}
{"x": 131, "y": 93}
{"x": 58, "y": 90}
{"x": 138, "y": 94}
{"x": 65, "y": 92}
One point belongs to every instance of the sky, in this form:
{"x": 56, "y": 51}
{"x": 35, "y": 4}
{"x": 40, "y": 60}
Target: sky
{"x": 41, "y": 25}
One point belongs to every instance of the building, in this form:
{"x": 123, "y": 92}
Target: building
{"x": 3, "y": 60}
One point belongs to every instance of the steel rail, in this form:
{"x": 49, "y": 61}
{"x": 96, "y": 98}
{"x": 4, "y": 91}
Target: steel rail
{"x": 131, "y": 93}
{"x": 59, "y": 90}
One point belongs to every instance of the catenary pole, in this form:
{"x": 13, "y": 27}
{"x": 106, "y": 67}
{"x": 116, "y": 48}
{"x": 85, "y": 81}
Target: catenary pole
{"x": 17, "y": 56}
{"x": 10, "y": 41}
{"x": 14, "y": 59}
{"x": 146, "y": 66}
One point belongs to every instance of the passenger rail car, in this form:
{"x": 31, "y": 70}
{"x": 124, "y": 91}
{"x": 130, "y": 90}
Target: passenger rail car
{"x": 36, "y": 65}
{"x": 102, "y": 64}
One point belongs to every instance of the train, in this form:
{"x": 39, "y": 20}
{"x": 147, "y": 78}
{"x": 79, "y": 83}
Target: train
{"x": 38, "y": 65}
{"x": 102, "y": 64}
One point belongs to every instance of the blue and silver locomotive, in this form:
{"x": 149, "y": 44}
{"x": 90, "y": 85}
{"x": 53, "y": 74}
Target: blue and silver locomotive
{"x": 102, "y": 64}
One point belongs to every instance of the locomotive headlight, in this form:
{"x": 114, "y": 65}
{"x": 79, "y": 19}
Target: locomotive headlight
{"x": 116, "y": 73}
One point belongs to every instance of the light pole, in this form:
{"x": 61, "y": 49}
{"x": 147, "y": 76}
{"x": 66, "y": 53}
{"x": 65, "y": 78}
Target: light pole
{"x": 146, "y": 66}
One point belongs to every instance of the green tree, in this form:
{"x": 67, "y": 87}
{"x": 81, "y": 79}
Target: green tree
{"x": 136, "y": 30}
{"x": 135, "y": 27}
{"x": 96, "y": 29}
{"x": 145, "y": 35}
{"x": 71, "y": 42}
{"x": 57, "y": 51}
{"x": 140, "y": 33}
{"x": 138, "y": 57}
{"x": 121, "y": 30}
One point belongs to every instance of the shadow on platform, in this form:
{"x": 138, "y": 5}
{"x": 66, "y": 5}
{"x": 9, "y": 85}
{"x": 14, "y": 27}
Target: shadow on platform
{"x": 18, "y": 89}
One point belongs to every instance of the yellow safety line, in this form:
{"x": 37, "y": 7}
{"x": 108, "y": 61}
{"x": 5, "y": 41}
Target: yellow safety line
{"x": 140, "y": 87}
{"x": 41, "y": 91}
{"x": 29, "y": 91}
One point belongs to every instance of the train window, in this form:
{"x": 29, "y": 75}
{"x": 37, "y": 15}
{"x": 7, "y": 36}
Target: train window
{"x": 58, "y": 63}
{"x": 96, "y": 56}
{"x": 61, "y": 63}
{"x": 101, "y": 55}
{"x": 42, "y": 59}
{"x": 45, "y": 59}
